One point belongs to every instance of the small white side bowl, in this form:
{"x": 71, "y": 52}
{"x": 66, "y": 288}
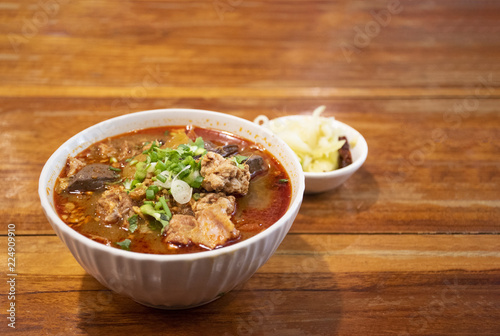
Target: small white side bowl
{"x": 172, "y": 281}
{"x": 320, "y": 182}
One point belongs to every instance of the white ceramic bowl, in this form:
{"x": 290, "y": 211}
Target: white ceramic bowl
{"x": 172, "y": 281}
{"x": 320, "y": 182}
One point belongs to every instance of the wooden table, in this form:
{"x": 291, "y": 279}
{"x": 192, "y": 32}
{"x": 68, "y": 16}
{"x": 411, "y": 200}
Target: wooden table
{"x": 408, "y": 246}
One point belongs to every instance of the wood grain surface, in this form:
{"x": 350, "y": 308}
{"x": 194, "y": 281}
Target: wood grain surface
{"x": 409, "y": 245}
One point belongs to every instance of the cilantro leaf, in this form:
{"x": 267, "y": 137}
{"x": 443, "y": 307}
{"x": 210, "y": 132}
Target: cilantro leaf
{"x": 124, "y": 244}
{"x": 239, "y": 160}
{"x": 133, "y": 220}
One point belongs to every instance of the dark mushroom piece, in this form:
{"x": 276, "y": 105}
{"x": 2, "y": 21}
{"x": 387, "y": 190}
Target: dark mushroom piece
{"x": 225, "y": 151}
{"x": 92, "y": 177}
{"x": 256, "y": 165}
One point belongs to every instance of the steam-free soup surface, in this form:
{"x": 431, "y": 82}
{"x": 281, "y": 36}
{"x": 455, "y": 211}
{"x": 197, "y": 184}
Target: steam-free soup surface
{"x": 172, "y": 190}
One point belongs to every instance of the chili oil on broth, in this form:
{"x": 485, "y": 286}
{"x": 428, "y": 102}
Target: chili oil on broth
{"x": 267, "y": 200}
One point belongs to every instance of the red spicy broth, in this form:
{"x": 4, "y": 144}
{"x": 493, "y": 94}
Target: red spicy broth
{"x": 267, "y": 200}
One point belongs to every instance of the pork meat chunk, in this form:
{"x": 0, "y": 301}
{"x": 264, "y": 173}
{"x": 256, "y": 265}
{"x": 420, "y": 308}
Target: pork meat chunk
{"x": 138, "y": 194}
{"x": 222, "y": 175}
{"x": 179, "y": 230}
{"x": 114, "y": 205}
{"x": 212, "y": 227}
{"x": 73, "y": 165}
{"x": 104, "y": 151}
{"x": 227, "y": 203}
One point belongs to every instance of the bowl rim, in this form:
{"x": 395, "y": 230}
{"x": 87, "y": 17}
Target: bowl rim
{"x": 340, "y": 171}
{"x": 72, "y": 143}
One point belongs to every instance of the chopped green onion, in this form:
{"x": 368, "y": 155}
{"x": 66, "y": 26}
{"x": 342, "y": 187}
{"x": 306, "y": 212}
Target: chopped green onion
{"x": 115, "y": 169}
{"x": 160, "y": 216}
{"x": 127, "y": 184}
{"x": 113, "y": 160}
{"x": 161, "y": 166}
{"x": 201, "y": 146}
{"x": 154, "y": 188}
{"x": 150, "y": 194}
{"x": 162, "y": 178}
{"x": 166, "y": 133}
{"x": 141, "y": 171}
{"x": 133, "y": 162}
{"x": 283, "y": 181}
{"x": 165, "y": 207}
{"x": 196, "y": 196}
{"x": 154, "y": 156}
{"x": 165, "y": 222}
{"x": 134, "y": 183}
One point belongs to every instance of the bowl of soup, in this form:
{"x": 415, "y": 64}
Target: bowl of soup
{"x": 175, "y": 207}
